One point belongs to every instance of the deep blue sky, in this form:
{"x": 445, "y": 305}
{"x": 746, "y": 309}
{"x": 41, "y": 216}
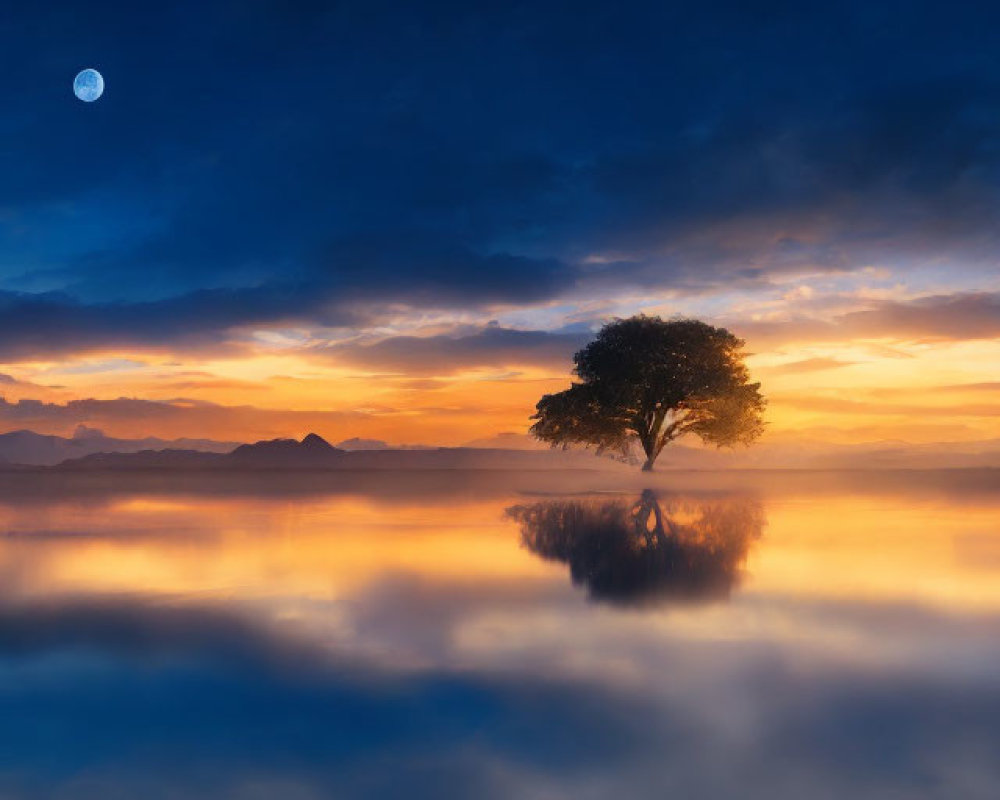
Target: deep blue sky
{"x": 310, "y": 159}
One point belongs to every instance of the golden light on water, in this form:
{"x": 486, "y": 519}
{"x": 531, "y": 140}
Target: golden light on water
{"x": 318, "y": 558}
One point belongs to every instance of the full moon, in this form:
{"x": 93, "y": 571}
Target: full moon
{"x": 88, "y": 85}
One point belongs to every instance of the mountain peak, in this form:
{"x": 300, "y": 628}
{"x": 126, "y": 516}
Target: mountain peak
{"x": 316, "y": 442}
{"x": 312, "y": 451}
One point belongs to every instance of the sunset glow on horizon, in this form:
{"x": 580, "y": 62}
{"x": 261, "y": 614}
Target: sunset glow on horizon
{"x": 849, "y": 391}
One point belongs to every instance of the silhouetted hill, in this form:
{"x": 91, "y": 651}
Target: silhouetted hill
{"x": 146, "y": 460}
{"x": 36, "y": 449}
{"x": 313, "y": 452}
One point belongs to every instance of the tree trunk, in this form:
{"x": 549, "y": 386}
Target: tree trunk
{"x": 648, "y": 466}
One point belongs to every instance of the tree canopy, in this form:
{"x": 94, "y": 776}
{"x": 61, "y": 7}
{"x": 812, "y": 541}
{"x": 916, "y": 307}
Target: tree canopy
{"x": 651, "y": 380}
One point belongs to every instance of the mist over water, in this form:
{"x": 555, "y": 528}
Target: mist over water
{"x": 494, "y": 634}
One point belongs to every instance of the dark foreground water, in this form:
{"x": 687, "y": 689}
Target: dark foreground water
{"x": 494, "y": 635}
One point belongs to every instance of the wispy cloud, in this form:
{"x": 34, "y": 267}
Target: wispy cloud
{"x": 491, "y": 346}
{"x": 807, "y": 365}
{"x": 945, "y": 317}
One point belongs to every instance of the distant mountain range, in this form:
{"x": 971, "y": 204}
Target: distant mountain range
{"x": 314, "y": 452}
{"x": 90, "y": 449}
{"x": 36, "y": 449}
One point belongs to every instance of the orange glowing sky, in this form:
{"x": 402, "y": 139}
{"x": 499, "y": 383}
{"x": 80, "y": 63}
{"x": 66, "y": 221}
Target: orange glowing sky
{"x": 834, "y": 388}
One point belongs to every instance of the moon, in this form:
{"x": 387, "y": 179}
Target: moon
{"x": 88, "y": 85}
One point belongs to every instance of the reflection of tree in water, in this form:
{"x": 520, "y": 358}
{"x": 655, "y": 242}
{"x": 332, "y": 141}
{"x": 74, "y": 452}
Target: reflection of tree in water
{"x": 678, "y": 548}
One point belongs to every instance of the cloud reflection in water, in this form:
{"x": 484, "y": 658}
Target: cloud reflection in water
{"x": 234, "y": 640}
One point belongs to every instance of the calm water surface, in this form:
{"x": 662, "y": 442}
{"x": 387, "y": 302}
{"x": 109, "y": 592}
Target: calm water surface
{"x": 497, "y": 635}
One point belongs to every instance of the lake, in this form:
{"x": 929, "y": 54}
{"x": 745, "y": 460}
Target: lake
{"x": 492, "y": 634}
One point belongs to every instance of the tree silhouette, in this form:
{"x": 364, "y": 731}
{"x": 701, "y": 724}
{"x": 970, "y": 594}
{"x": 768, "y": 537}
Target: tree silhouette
{"x": 683, "y": 549}
{"x": 649, "y": 380}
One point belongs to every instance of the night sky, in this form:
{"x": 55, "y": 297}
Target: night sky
{"x": 399, "y": 220}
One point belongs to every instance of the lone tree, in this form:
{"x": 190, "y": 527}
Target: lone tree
{"x": 652, "y": 380}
